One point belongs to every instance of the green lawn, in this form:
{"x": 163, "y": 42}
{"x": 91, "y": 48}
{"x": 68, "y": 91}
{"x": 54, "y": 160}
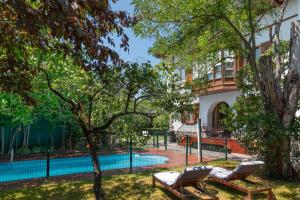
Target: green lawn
{"x": 138, "y": 186}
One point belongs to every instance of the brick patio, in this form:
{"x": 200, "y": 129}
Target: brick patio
{"x": 176, "y": 158}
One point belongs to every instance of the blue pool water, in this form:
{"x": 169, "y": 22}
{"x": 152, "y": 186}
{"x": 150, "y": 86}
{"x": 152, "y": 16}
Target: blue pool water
{"x": 21, "y": 170}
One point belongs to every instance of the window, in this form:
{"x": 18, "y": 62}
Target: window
{"x": 229, "y": 70}
{"x": 257, "y": 53}
{"x": 218, "y": 71}
{"x": 210, "y": 76}
{"x": 182, "y": 74}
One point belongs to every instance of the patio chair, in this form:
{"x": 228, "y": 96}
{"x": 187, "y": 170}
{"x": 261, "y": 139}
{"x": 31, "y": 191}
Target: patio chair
{"x": 176, "y": 182}
{"x": 241, "y": 172}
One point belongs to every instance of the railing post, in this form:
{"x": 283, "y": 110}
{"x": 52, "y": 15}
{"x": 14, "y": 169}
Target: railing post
{"x": 226, "y": 150}
{"x": 130, "y": 152}
{"x": 187, "y": 150}
{"x": 48, "y": 160}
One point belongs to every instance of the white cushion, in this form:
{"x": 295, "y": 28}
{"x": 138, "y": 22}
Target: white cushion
{"x": 168, "y": 178}
{"x": 220, "y": 173}
{"x": 253, "y": 162}
{"x": 249, "y": 167}
{"x": 243, "y": 167}
{"x": 196, "y": 168}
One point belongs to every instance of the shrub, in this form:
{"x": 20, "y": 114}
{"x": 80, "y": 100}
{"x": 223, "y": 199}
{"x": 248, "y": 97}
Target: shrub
{"x": 23, "y": 150}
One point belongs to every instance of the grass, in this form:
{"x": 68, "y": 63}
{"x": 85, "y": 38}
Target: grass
{"x": 138, "y": 186}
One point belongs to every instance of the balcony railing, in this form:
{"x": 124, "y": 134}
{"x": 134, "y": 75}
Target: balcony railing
{"x": 216, "y": 132}
{"x": 219, "y": 132}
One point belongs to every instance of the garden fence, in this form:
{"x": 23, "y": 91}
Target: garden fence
{"x": 160, "y": 151}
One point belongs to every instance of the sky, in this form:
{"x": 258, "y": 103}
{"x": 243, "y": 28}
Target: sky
{"x": 138, "y": 47}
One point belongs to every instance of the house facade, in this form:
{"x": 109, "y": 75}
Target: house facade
{"x": 222, "y": 89}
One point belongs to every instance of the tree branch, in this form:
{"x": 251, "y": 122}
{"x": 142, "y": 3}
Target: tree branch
{"x": 292, "y": 80}
{"x": 90, "y": 109}
{"x": 276, "y": 40}
{"x": 74, "y": 106}
{"x": 127, "y": 101}
{"x": 136, "y": 103}
{"x": 56, "y": 92}
{"x": 259, "y": 19}
{"x": 238, "y": 32}
{"x": 116, "y": 116}
{"x": 98, "y": 92}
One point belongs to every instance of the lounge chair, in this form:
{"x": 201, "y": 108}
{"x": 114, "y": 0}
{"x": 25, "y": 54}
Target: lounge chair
{"x": 241, "y": 172}
{"x": 190, "y": 177}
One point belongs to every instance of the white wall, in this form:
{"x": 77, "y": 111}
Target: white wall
{"x": 176, "y": 125}
{"x": 208, "y": 103}
{"x": 293, "y": 8}
{"x": 298, "y": 6}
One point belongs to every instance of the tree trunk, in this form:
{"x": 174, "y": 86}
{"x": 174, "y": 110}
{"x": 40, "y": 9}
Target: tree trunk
{"x": 12, "y": 139}
{"x": 24, "y": 135}
{"x": 288, "y": 171}
{"x": 63, "y": 138}
{"x": 28, "y": 134}
{"x": 69, "y": 142}
{"x": 97, "y": 188}
{"x": 99, "y": 194}
{"x": 278, "y": 160}
{"x": 282, "y": 101}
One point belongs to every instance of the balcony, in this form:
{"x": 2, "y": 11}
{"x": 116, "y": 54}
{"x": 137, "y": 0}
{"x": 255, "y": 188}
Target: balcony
{"x": 221, "y": 78}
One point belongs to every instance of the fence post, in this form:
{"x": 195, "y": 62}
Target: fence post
{"x": 199, "y": 140}
{"x": 130, "y": 151}
{"x": 48, "y": 160}
{"x": 166, "y": 140}
{"x": 226, "y": 150}
{"x": 190, "y": 143}
{"x": 153, "y": 138}
{"x": 187, "y": 150}
{"x": 157, "y": 142}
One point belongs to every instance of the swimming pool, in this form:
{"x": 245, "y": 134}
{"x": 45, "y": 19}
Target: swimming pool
{"x": 21, "y": 170}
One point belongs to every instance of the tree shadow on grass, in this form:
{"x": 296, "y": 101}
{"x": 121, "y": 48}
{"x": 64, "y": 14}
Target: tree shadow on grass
{"x": 287, "y": 190}
{"x": 132, "y": 187}
{"x": 57, "y": 191}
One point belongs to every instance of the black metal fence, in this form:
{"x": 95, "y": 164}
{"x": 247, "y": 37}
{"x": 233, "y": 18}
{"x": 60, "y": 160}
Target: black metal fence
{"x": 161, "y": 149}
{"x": 123, "y": 157}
